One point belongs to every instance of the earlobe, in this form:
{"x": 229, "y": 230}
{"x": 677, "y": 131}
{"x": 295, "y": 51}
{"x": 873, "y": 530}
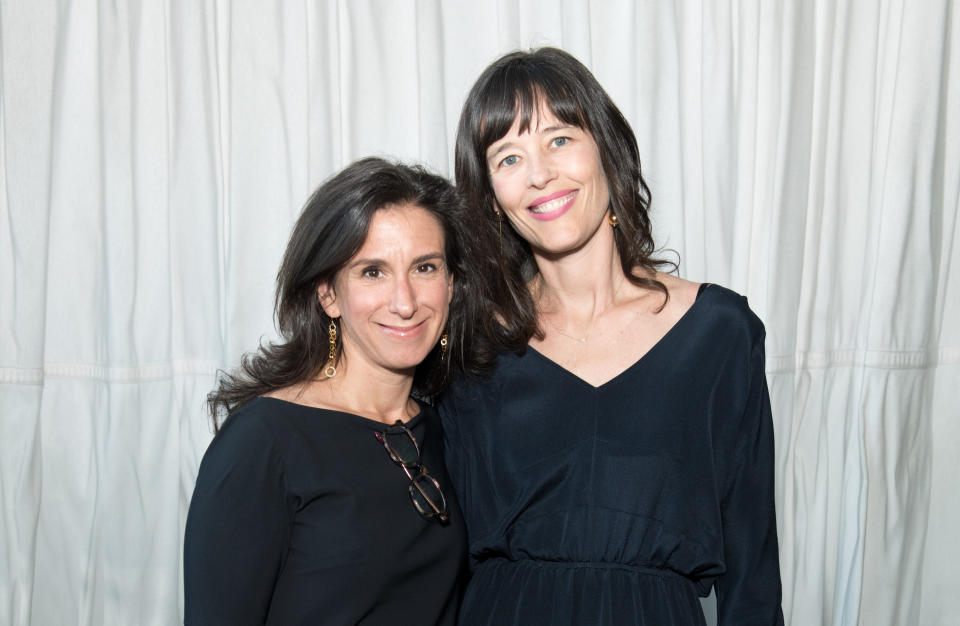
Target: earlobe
{"x": 328, "y": 300}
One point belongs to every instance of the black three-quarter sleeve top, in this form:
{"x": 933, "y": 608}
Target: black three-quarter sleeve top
{"x": 620, "y": 504}
{"x": 299, "y": 516}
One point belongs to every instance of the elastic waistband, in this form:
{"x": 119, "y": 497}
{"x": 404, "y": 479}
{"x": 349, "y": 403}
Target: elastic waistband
{"x": 574, "y": 565}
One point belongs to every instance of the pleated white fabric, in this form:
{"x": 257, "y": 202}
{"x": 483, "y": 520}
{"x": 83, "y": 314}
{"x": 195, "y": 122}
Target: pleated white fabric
{"x": 153, "y": 156}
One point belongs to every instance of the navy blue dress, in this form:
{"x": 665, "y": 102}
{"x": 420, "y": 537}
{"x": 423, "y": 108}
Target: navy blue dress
{"x": 300, "y": 517}
{"x": 621, "y": 504}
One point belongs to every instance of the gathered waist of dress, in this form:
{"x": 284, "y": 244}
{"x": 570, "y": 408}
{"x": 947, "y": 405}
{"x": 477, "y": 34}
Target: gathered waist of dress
{"x": 524, "y": 591}
{"x": 660, "y": 572}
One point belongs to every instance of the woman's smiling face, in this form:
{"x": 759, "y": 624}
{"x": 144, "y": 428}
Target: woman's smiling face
{"x": 550, "y": 183}
{"x": 393, "y": 296}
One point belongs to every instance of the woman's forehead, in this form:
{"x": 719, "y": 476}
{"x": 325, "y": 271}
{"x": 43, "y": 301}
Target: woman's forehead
{"x": 532, "y": 109}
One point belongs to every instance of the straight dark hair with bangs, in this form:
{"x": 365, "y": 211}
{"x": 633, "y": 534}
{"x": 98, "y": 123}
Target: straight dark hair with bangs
{"x": 330, "y": 230}
{"x": 516, "y": 85}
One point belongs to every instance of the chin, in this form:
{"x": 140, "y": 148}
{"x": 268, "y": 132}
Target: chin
{"x": 557, "y": 250}
{"x": 408, "y": 361}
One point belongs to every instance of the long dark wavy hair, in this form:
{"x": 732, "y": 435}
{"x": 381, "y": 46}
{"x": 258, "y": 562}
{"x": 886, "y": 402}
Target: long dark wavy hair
{"x": 330, "y": 230}
{"x": 516, "y": 85}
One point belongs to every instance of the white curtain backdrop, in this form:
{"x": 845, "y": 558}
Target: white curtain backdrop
{"x": 154, "y": 154}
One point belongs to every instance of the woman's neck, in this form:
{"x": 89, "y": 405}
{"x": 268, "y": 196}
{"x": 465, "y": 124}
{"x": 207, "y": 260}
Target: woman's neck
{"x": 581, "y": 285}
{"x": 374, "y": 393}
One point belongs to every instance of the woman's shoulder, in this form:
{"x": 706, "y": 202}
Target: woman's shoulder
{"x": 246, "y": 445}
{"x": 711, "y": 302}
{"x": 251, "y": 416}
{"x": 685, "y": 292}
{"x": 681, "y": 290}
{"x": 727, "y": 307}
{"x": 258, "y": 423}
{"x": 471, "y": 392}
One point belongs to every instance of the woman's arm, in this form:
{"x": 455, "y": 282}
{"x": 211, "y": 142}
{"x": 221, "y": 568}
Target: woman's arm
{"x": 237, "y": 527}
{"x": 749, "y": 591}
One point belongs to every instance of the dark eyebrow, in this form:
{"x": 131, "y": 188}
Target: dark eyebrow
{"x": 556, "y": 127}
{"x": 372, "y": 261}
{"x": 428, "y": 257}
{"x": 547, "y": 130}
{"x": 360, "y": 262}
{"x": 501, "y": 148}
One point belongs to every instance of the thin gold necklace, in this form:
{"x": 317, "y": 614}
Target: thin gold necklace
{"x": 577, "y": 339}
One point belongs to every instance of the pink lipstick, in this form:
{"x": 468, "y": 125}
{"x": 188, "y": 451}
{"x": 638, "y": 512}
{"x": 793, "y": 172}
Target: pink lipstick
{"x": 553, "y": 206}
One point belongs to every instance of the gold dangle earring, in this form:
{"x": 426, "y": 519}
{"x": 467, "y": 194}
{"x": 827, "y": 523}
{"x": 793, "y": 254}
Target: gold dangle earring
{"x": 500, "y": 230}
{"x": 331, "y": 370}
{"x": 612, "y": 220}
{"x": 443, "y": 347}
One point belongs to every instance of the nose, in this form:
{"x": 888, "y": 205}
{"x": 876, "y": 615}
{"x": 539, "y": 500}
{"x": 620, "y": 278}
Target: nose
{"x": 404, "y": 299}
{"x": 540, "y": 170}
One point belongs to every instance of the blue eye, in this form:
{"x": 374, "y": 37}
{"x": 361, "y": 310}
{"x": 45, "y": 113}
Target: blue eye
{"x": 559, "y": 141}
{"x": 510, "y": 160}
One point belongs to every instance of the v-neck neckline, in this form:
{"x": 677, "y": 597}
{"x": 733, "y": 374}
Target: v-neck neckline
{"x": 642, "y": 359}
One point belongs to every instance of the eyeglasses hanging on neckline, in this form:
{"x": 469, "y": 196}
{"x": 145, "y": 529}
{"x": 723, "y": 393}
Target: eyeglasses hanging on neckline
{"x": 425, "y": 493}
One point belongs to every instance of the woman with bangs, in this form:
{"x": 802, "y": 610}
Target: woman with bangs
{"x": 618, "y": 461}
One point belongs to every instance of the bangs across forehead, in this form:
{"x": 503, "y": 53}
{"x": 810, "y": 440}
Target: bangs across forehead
{"x": 517, "y": 95}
